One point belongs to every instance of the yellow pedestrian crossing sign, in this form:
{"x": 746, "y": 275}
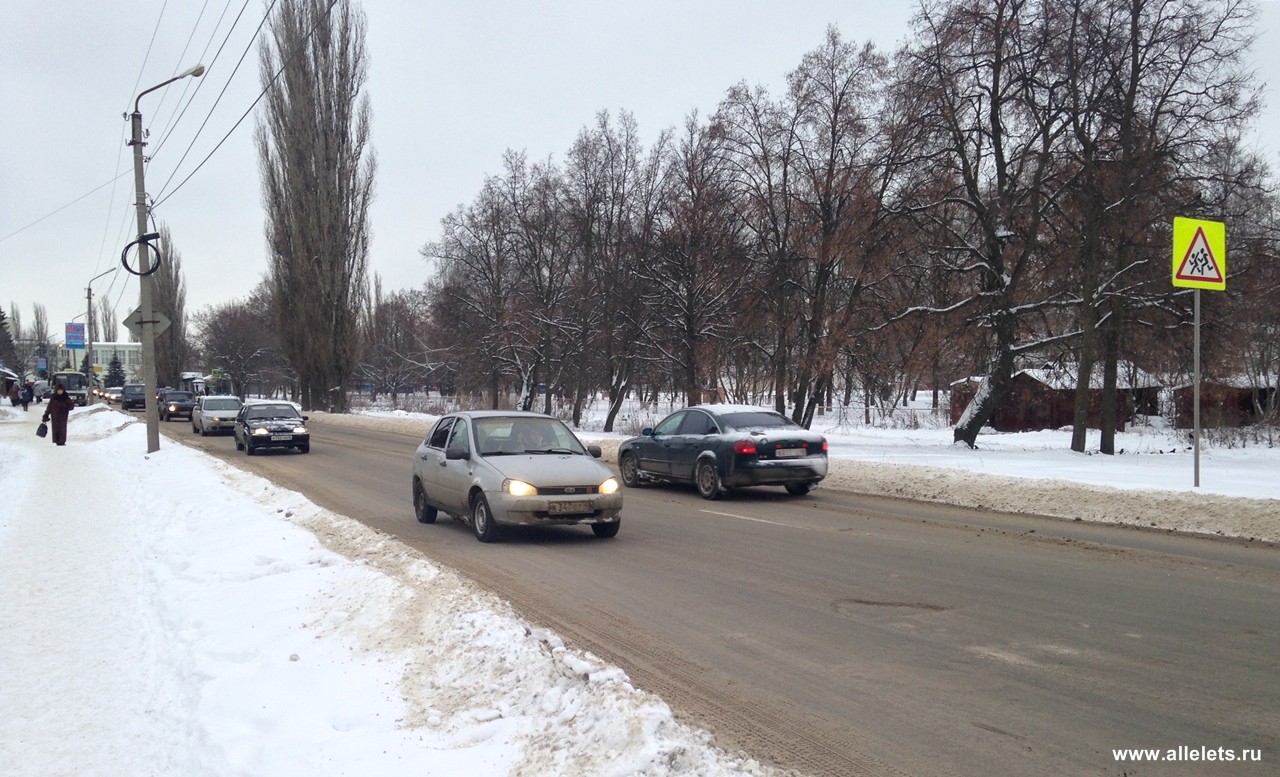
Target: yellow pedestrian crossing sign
{"x": 1199, "y": 254}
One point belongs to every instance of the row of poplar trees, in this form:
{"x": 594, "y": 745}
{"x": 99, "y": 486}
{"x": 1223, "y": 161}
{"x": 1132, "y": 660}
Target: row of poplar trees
{"x": 1000, "y": 187}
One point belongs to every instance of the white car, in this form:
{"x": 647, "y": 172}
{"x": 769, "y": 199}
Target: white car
{"x": 214, "y": 414}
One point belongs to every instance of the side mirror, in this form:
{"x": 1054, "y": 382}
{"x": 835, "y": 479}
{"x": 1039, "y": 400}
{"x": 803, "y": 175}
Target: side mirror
{"x": 455, "y": 454}
{"x": 306, "y": 418}
{"x": 647, "y": 431}
{"x": 594, "y": 450}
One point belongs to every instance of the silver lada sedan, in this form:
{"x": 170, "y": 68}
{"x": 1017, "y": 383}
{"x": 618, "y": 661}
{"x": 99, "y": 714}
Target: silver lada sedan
{"x": 493, "y": 467}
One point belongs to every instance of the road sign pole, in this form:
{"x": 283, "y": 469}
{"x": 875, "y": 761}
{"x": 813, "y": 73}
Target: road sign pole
{"x": 1195, "y": 412}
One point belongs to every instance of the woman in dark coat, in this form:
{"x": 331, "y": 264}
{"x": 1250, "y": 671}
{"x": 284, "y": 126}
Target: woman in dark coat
{"x": 56, "y": 413}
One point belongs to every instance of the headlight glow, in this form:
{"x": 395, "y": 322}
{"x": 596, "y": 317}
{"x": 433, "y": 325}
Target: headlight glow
{"x": 173, "y": 408}
{"x": 518, "y": 488}
{"x": 610, "y": 486}
{"x": 262, "y": 431}
{"x": 299, "y": 429}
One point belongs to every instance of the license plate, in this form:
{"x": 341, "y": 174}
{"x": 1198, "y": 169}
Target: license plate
{"x": 791, "y": 453}
{"x": 281, "y": 437}
{"x": 568, "y": 508}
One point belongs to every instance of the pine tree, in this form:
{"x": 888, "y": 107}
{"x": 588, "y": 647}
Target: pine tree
{"x": 8, "y": 353}
{"x": 115, "y": 372}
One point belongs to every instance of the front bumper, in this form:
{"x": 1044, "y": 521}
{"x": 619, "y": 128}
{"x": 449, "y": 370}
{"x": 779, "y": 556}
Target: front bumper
{"x": 278, "y": 440}
{"x": 560, "y": 510}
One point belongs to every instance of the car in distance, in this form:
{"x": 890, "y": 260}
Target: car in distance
{"x": 133, "y": 395}
{"x": 721, "y": 447}
{"x": 491, "y": 468}
{"x": 262, "y": 425}
{"x": 176, "y": 403}
{"x": 214, "y": 414}
{"x": 111, "y": 393}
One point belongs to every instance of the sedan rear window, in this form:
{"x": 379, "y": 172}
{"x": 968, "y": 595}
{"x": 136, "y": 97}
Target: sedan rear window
{"x": 746, "y": 421}
{"x": 177, "y": 396}
{"x": 221, "y": 404}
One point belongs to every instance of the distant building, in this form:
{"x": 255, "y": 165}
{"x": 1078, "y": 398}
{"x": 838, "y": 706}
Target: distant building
{"x": 130, "y": 355}
{"x": 1223, "y": 403}
{"x": 1045, "y": 398}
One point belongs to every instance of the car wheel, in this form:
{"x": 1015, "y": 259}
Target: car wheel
{"x": 708, "y": 480}
{"x": 305, "y": 448}
{"x": 630, "y": 470}
{"x": 425, "y": 512}
{"x": 798, "y": 489}
{"x": 239, "y": 445}
{"x": 204, "y": 432}
{"x": 194, "y": 430}
{"x": 607, "y": 529}
{"x": 248, "y": 448}
{"x": 482, "y": 520}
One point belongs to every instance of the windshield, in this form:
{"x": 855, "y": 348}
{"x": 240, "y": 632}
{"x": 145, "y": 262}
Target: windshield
{"x": 73, "y": 381}
{"x": 222, "y": 404}
{"x": 745, "y": 421}
{"x": 177, "y": 396}
{"x": 272, "y": 411}
{"x": 507, "y": 436}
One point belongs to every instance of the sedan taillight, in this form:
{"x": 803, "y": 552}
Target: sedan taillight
{"x": 745, "y": 447}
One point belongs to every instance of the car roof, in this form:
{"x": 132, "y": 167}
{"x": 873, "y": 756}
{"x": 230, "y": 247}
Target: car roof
{"x": 720, "y": 408}
{"x": 220, "y": 396}
{"x": 500, "y": 414}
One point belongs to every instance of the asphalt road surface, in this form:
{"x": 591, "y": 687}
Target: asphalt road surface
{"x": 837, "y": 634}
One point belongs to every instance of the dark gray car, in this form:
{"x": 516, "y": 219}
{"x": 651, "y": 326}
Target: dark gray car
{"x": 721, "y": 447}
{"x": 261, "y": 425}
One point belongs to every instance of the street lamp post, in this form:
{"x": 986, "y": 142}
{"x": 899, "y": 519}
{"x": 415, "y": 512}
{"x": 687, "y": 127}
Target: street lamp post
{"x": 88, "y": 333}
{"x": 145, "y": 281}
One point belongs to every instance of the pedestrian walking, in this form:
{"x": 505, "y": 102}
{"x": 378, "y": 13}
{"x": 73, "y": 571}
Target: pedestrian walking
{"x": 27, "y": 394}
{"x": 56, "y": 412}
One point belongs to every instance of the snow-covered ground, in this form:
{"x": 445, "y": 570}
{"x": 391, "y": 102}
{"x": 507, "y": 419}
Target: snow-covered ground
{"x": 169, "y": 614}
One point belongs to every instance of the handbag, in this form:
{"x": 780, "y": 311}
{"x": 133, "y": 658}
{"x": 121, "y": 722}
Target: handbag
{"x": 42, "y": 430}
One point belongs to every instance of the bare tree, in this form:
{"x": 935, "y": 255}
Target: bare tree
{"x": 980, "y": 73}
{"x": 173, "y": 349}
{"x": 699, "y": 268}
{"x": 394, "y": 355}
{"x": 613, "y": 188}
{"x": 240, "y": 338}
{"x": 109, "y": 329}
{"x": 317, "y": 176}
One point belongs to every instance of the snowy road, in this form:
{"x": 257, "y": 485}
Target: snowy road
{"x": 845, "y": 635}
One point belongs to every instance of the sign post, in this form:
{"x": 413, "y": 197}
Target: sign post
{"x": 1199, "y": 262}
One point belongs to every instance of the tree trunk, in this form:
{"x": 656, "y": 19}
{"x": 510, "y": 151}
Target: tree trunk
{"x": 982, "y": 408}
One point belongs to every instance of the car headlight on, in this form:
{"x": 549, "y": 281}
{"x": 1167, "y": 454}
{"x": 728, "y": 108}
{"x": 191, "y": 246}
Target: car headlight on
{"x": 173, "y": 408}
{"x": 261, "y": 431}
{"x": 299, "y": 429}
{"x": 518, "y": 488}
{"x": 610, "y": 486}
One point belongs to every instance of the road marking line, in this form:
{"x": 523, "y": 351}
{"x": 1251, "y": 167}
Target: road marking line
{"x": 747, "y": 518}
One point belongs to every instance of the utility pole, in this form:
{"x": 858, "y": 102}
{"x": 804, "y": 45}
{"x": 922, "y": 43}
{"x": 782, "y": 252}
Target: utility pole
{"x": 88, "y": 334}
{"x": 88, "y": 345}
{"x": 146, "y": 279}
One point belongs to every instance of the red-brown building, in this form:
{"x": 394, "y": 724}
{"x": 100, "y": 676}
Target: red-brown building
{"x": 1045, "y": 398}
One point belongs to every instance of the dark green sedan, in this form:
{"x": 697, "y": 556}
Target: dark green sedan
{"x": 721, "y": 447}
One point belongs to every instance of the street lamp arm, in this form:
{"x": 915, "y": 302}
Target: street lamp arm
{"x": 196, "y": 71}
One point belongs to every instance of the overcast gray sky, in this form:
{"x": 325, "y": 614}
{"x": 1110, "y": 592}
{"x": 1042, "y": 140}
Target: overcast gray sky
{"x": 452, "y": 84}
